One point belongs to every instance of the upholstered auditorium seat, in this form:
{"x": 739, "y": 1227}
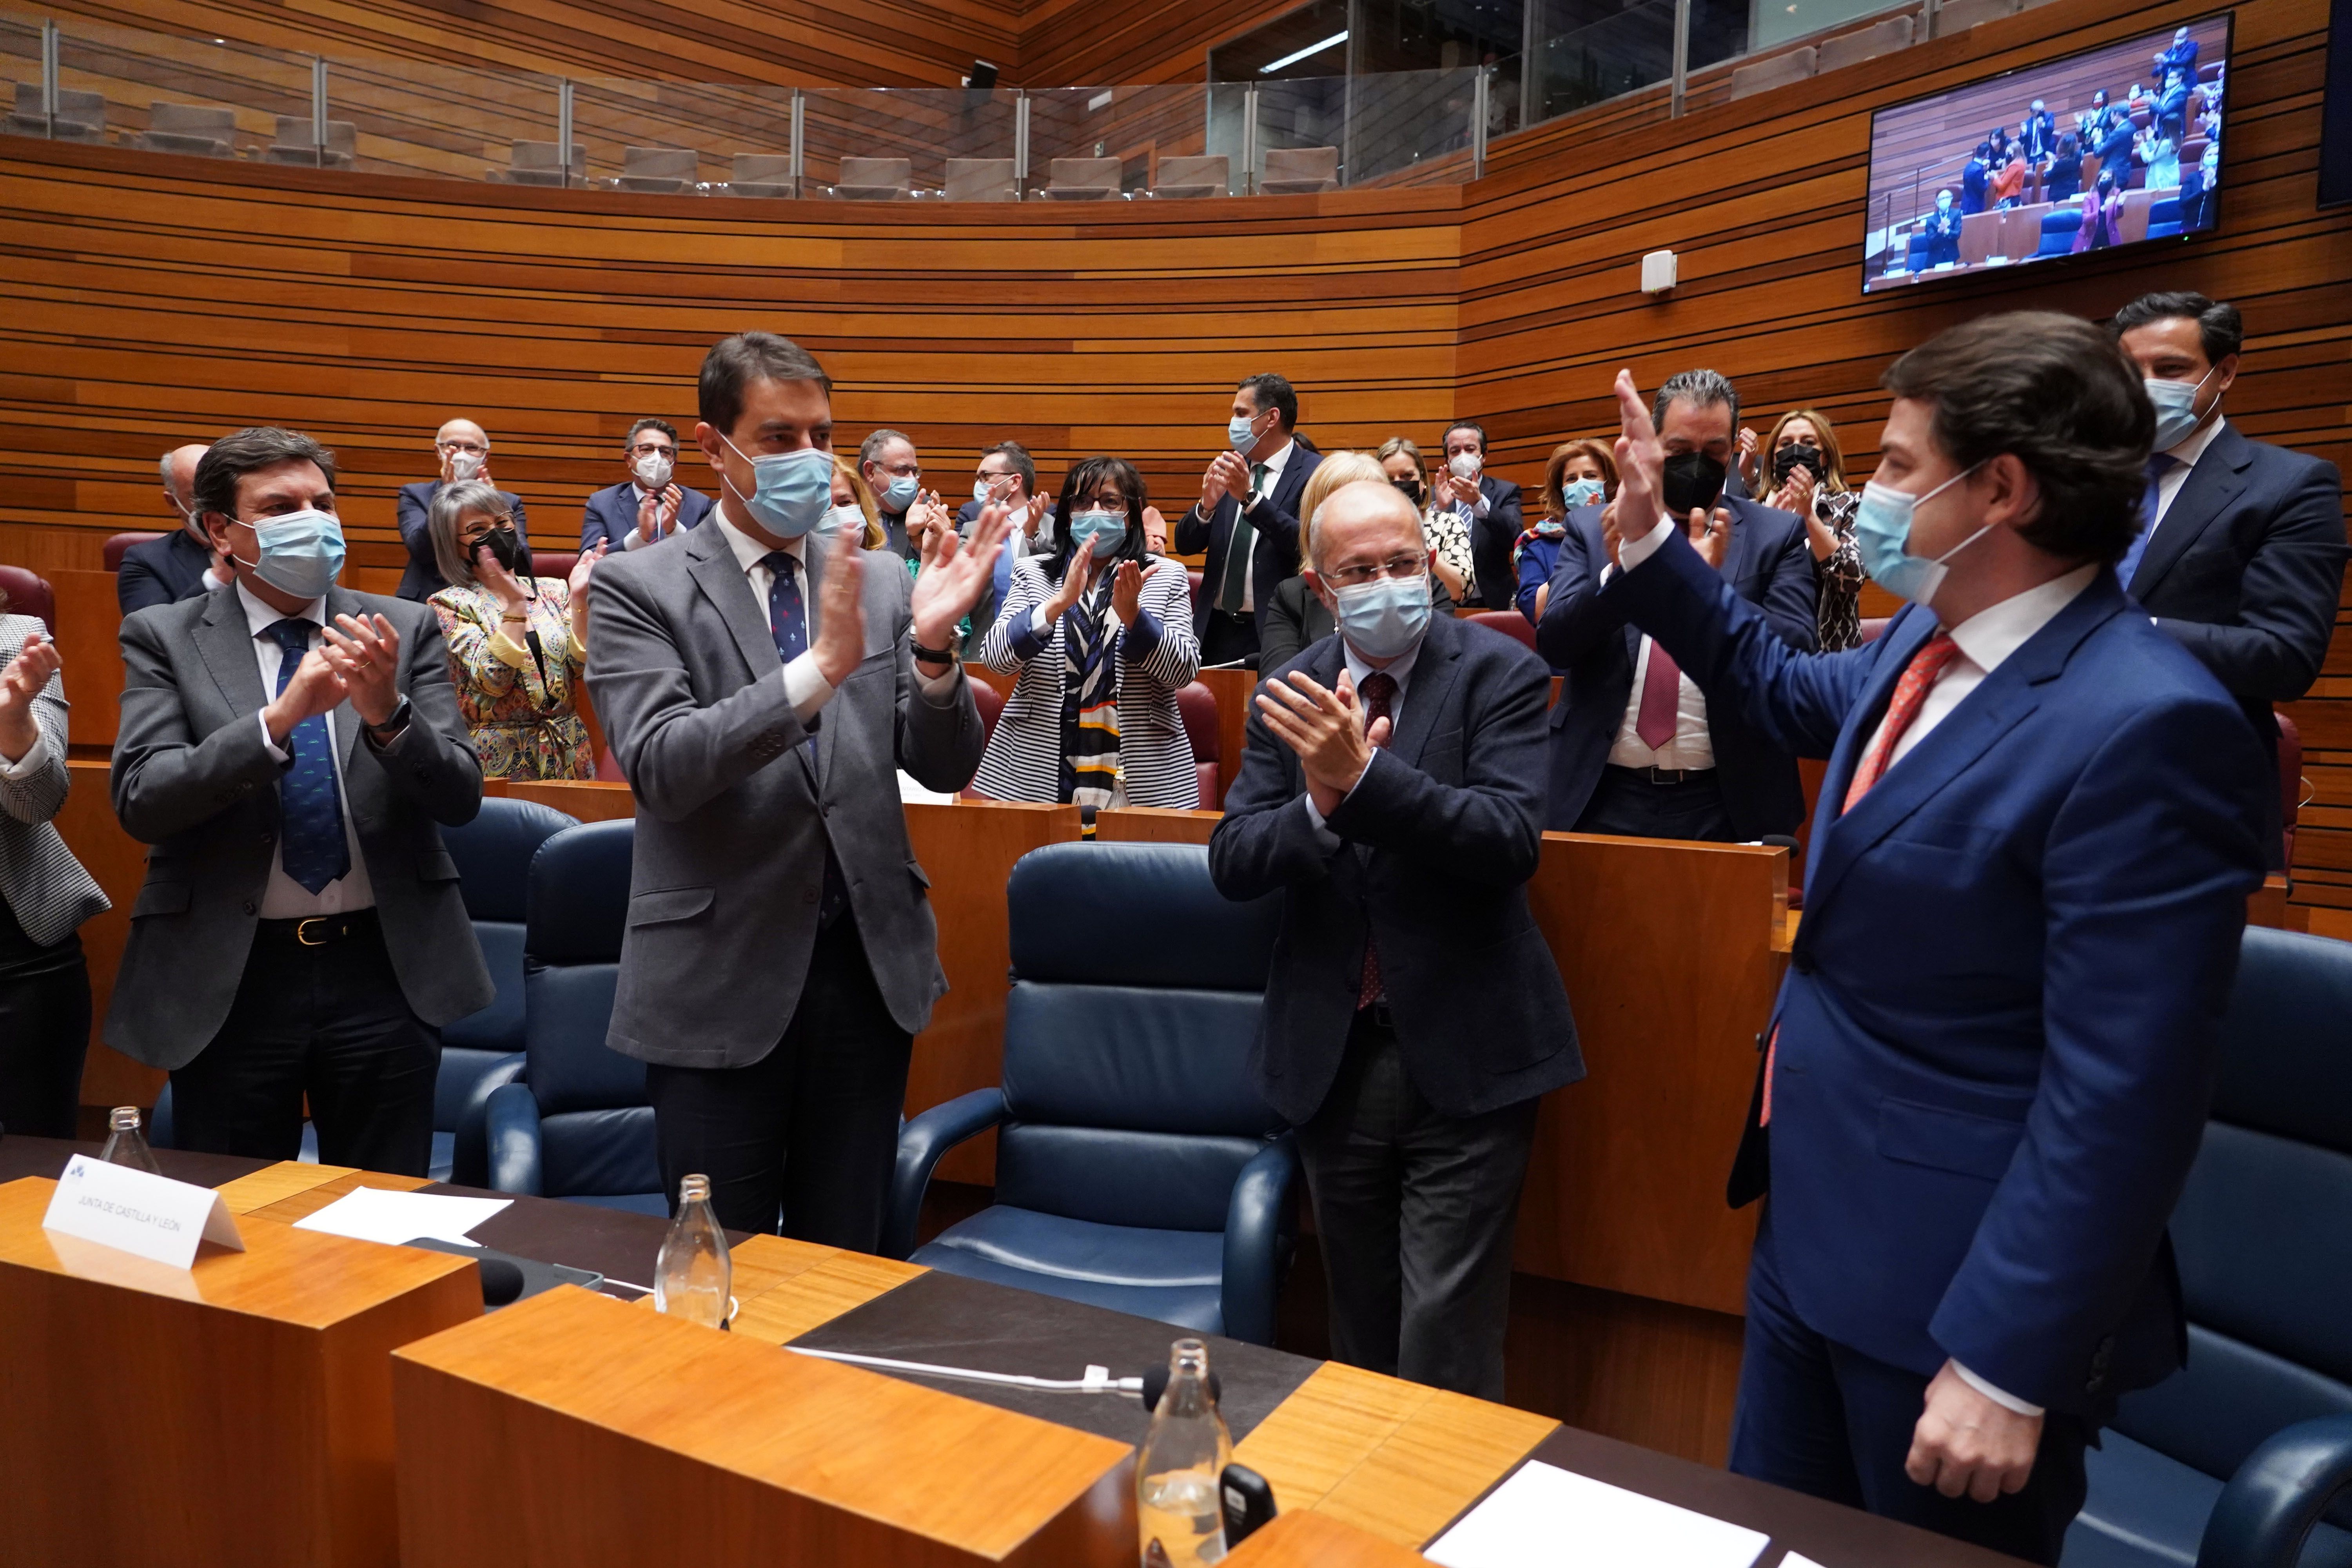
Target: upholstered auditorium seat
{"x": 1510, "y": 623}
{"x": 203, "y": 129}
{"x": 2263, "y": 1239}
{"x": 1299, "y": 171}
{"x": 579, "y": 1125}
{"x": 760, "y": 175}
{"x": 1779, "y": 70}
{"x": 536, "y": 163}
{"x": 28, "y": 594}
{"x": 1083, "y": 179}
{"x": 555, "y": 563}
{"x": 1135, "y": 1166}
{"x": 294, "y": 144}
{"x": 1882, "y": 37}
{"x": 1959, "y": 15}
{"x": 117, "y": 545}
{"x": 659, "y": 170}
{"x": 981, "y": 180}
{"x": 874, "y": 179}
{"x": 1198, "y": 706}
{"x": 81, "y": 116}
{"x": 1209, "y": 175}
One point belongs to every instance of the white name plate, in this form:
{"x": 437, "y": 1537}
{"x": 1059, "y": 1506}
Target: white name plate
{"x": 148, "y": 1216}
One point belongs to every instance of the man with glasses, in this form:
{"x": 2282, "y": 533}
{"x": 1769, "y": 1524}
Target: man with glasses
{"x": 893, "y": 470}
{"x": 463, "y": 453}
{"x": 649, "y": 505}
{"x": 1392, "y": 790}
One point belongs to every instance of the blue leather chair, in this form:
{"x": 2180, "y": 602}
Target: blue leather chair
{"x": 2264, "y": 1236}
{"x": 578, "y": 1125}
{"x": 483, "y": 1050}
{"x": 1136, "y": 1168}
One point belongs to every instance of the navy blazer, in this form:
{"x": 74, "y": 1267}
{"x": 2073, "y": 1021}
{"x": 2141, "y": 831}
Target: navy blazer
{"x": 162, "y": 570}
{"x": 2246, "y": 569}
{"x": 422, "y": 578}
{"x": 1585, "y": 635}
{"x": 611, "y": 515}
{"x": 1277, "y": 552}
{"x": 1491, "y": 538}
{"x": 1439, "y": 840}
{"x": 1998, "y": 1032}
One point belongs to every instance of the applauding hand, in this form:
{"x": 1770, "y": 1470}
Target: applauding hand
{"x": 20, "y": 683}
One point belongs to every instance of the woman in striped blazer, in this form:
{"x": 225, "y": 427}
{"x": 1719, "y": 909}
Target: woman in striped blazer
{"x": 1100, "y": 634}
{"x": 45, "y": 895}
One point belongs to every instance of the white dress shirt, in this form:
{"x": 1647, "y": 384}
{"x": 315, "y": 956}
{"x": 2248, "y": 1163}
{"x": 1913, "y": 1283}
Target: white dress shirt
{"x": 1400, "y": 670}
{"x": 631, "y": 539}
{"x": 2184, "y": 454}
{"x": 284, "y": 899}
{"x": 1273, "y": 467}
{"x": 1692, "y": 746}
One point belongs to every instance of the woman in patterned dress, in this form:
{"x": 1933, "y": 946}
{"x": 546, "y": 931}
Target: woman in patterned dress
{"x": 1808, "y": 474}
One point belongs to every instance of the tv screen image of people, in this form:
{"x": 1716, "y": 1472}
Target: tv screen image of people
{"x": 2115, "y": 146}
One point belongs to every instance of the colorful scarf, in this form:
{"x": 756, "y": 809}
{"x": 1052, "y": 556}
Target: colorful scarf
{"x": 1090, "y": 767}
{"x": 1544, "y": 530}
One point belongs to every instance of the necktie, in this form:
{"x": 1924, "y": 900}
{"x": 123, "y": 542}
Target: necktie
{"x": 310, "y": 807}
{"x": 1234, "y": 587}
{"x": 787, "y": 619}
{"x": 1910, "y": 695}
{"x": 1661, "y": 689}
{"x": 1379, "y": 692}
{"x": 2158, "y": 465}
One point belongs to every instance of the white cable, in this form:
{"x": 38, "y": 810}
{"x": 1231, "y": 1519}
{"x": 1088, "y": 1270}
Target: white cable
{"x": 1097, "y": 1379}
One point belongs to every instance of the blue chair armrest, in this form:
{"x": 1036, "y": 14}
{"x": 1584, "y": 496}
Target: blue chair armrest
{"x": 469, "y": 1164}
{"x": 1254, "y": 1222}
{"x": 510, "y": 1127}
{"x": 921, "y": 1143}
{"x": 2268, "y": 1509}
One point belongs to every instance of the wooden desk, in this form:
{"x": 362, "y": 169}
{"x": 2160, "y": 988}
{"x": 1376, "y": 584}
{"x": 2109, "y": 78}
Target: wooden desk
{"x": 235, "y": 1413}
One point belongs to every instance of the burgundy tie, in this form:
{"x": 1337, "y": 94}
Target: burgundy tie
{"x": 1660, "y": 710}
{"x": 1378, "y": 691}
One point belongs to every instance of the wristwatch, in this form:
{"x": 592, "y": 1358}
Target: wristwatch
{"x": 931, "y": 655}
{"x": 383, "y": 734}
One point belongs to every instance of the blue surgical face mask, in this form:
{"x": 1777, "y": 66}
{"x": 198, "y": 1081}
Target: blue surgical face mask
{"x": 900, "y": 492}
{"x": 1582, "y": 492}
{"x": 1386, "y": 617}
{"x": 298, "y": 553}
{"x": 790, "y": 490}
{"x": 2176, "y": 409}
{"x": 1241, "y": 432}
{"x": 1882, "y": 531}
{"x": 979, "y": 490}
{"x": 1102, "y": 531}
{"x": 840, "y": 520}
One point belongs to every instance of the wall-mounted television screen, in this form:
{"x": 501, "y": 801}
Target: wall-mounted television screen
{"x": 2115, "y": 146}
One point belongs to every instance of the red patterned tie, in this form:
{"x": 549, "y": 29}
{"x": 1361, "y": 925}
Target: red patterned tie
{"x": 1658, "y": 717}
{"x": 1378, "y": 691}
{"x": 1910, "y": 695}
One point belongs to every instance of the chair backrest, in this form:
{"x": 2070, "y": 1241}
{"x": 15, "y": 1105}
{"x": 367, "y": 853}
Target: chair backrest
{"x": 1082, "y": 173}
{"x": 294, "y": 130}
{"x": 117, "y": 546}
{"x": 991, "y": 703}
{"x": 192, "y": 119}
{"x": 1879, "y": 39}
{"x": 1197, "y": 704}
{"x": 493, "y": 853}
{"x": 1301, "y": 164}
{"x": 1959, "y": 15}
{"x": 1875, "y": 628}
{"x": 1779, "y": 71}
{"x": 596, "y": 1128}
{"x": 1213, "y": 169}
{"x": 1125, "y": 1080}
{"x": 761, "y": 168}
{"x": 556, "y": 563}
{"x": 23, "y": 594}
{"x": 2263, "y": 1230}
{"x": 83, "y": 107}
{"x": 979, "y": 180}
{"x": 660, "y": 162}
{"x": 1510, "y": 623}
{"x": 541, "y": 156}
{"x": 878, "y": 173}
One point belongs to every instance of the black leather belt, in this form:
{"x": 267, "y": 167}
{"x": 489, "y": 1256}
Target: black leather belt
{"x": 1240, "y": 617}
{"x": 319, "y": 931}
{"x": 1657, "y": 775}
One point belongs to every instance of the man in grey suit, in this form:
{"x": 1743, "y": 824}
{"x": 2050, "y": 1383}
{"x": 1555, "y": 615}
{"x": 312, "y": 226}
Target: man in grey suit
{"x": 286, "y": 746}
{"x": 761, "y": 686}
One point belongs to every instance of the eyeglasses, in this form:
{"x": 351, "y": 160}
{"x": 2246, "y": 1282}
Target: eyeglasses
{"x": 1398, "y": 567}
{"x": 903, "y": 470}
{"x": 653, "y": 449}
{"x": 477, "y": 448}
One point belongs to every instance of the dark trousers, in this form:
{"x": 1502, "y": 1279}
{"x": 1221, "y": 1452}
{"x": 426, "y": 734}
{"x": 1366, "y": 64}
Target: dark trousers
{"x": 330, "y": 1023}
{"x": 1415, "y": 1210}
{"x": 1818, "y": 1417}
{"x": 1627, "y": 804}
{"x": 1225, "y": 637}
{"x": 808, "y": 1132}
{"x": 44, "y": 1034}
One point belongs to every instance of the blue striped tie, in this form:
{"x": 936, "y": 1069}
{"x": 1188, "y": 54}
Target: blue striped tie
{"x": 314, "y": 850}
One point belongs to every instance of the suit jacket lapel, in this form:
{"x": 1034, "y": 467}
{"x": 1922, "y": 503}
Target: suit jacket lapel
{"x": 820, "y": 766}
{"x": 1432, "y": 691}
{"x": 226, "y": 645}
{"x": 717, "y": 573}
{"x": 2216, "y": 481}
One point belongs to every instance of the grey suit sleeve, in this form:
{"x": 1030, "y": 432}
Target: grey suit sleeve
{"x": 677, "y": 754}
{"x": 40, "y": 793}
{"x": 165, "y": 781}
{"x": 433, "y": 761}
{"x": 939, "y": 737}
{"x": 2286, "y": 599}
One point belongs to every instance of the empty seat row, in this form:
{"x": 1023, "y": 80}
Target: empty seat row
{"x": 197, "y": 129}
{"x": 1289, "y": 171}
{"x": 1882, "y": 37}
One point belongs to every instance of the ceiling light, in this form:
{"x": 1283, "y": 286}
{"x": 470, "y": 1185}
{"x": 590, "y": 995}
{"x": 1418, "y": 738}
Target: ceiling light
{"x": 1339, "y": 37}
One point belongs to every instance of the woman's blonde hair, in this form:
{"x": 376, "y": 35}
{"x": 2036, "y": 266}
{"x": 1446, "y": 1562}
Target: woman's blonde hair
{"x": 1555, "y": 485}
{"x": 1832, "y": 458}
{"x": 1395, "y": 443}
{"x": 452, "y": 505}
{"x": 842, "y": 468}
{"x": 1336, "y": 469}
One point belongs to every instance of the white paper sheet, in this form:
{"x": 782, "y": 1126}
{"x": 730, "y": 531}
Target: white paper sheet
{"x": 1545, "y": 1517}
{"x": 1798, "y": 1560}
{"x": 373, "y": 1213}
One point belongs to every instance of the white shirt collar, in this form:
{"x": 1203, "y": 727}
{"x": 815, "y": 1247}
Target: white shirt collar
{"x": 2192, "y": 446}
{"x": 1274, "y": 464}
{"x": 750, "y": 552}
{"x": 1995, "y": 632}
{"x": 1399, "y": 670}
{"x": 259, "y": 617}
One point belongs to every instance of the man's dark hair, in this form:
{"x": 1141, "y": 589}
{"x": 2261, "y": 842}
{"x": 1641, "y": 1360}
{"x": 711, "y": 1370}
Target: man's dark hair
{"x": 1469, "y": 425}
{"x": 733, "y": 364}
{"x": 1272, "y": 392}
{"x": 664, "y": 425}
{"x": 870, "y": 449}
{"x": 2058, "y": 395}
{"x": 1016, "y": 454}
{"x": 1083, "y": 476}
{"x": 2220, "y": 328}
{"x": 244, "y": 452}
{"x": 1306, "y": 443}
{"x": 1700, "y": 389}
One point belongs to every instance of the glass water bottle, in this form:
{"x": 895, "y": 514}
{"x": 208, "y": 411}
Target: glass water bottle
{"x": 693, "y": 1277}
{"x": 1176, "y": 1502}
{"x": 124, "y": 1146}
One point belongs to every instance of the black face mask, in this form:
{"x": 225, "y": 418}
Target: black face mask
{"x": 1412, "y": 488}
{"x": 1788, "y": 457}
{"x": 504, "y": 547}
{"x": 1693, "y": 480}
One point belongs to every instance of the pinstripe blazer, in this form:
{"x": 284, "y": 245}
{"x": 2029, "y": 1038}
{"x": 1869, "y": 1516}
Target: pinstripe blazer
{"x": 1024, "y": 760}
{"x": 44, "y": 884}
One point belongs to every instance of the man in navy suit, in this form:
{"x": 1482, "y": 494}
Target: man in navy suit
{"x": 181, "y": 564}
{"x": 648, "y": 506}
{"x": 1007, "y": 476}
{"x": 465, "y": 454}
{"x": 1988, "y": 1069}
{"x": 2241, "y": 547}
{"x": 1489, "y": 509}
{"x": 1636, "y": 748}
{"x": 1390, "y": 793}
{"x": 1247, "y": 518}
